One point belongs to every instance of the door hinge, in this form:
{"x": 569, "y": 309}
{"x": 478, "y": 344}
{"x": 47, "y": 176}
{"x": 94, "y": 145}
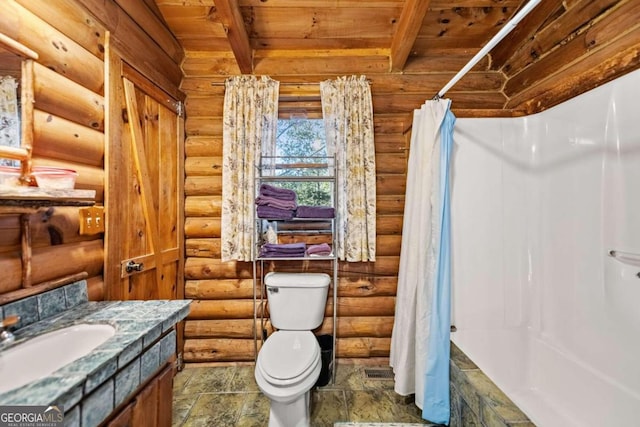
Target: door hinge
{"x": 180, "y": 108}
{"x": 179, "y": 362}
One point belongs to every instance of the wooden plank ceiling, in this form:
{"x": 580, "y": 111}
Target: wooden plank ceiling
{"x": 408, "y": 48}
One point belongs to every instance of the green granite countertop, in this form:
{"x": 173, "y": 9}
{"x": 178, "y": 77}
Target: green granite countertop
{"x": 138, "y": 324}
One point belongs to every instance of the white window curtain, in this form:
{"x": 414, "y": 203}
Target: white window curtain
{"x": 249, "y": 129}
{"x": 9, "y": 115}
{"x": 348, "y": 117}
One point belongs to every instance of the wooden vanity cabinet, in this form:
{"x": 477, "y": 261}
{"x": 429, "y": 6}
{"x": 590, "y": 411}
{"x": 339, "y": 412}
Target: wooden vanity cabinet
{"x": 151, "y": 406}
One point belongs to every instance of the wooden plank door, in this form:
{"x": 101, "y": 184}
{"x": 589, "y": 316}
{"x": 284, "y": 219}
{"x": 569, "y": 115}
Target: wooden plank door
{"x": 144, "y": 236}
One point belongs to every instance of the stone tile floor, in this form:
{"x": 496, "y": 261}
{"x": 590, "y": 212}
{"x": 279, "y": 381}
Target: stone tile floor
{"x": 229, "y": 396}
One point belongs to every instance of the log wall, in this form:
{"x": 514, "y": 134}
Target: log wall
{"x": 578, "y": 46}
{"x": 69, "y": 37}
{"x": 561, "y": 50}
{"x": 220, "y": 326}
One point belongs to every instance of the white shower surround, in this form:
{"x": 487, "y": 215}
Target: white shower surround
{"x": 540, "y": 307}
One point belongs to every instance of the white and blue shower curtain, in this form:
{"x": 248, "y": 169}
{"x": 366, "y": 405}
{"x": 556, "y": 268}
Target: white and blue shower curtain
{"x": 420, "y": 339}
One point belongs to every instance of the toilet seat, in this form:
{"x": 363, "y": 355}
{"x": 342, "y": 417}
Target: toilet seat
{"x": 287, "y": 357}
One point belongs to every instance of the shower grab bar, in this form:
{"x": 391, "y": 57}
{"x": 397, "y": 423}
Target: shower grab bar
{"x": 625, "y": 257}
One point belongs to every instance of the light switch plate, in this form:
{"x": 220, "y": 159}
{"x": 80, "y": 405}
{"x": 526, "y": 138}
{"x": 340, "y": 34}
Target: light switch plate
{"x": 91, "y": 220}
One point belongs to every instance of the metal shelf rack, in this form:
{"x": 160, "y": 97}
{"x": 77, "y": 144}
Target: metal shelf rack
{"x": 273, "y": 170}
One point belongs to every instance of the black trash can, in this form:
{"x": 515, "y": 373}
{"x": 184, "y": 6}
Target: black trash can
{"x": 326, "y": 352}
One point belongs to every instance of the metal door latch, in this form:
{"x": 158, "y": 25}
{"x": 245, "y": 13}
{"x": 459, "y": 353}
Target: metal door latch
{"x": 134, "y": 266}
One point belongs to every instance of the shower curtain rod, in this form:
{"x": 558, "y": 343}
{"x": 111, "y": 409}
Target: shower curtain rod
{"x": 494, "y": 41}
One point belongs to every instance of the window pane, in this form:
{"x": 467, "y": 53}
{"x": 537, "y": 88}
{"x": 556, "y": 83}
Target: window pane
{"x": 301, "y": 144}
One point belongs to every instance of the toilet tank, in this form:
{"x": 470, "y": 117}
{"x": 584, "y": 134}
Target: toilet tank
{"x": 297, "y": 300}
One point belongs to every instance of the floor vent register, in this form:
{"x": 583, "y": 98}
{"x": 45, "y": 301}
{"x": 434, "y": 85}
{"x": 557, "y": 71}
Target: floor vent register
{"x": 378, "y": 373}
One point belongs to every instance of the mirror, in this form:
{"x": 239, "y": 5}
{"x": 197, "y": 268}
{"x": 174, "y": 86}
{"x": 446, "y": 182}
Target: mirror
{"x": 14, "y": 58}
{"x": 10, "y": 74}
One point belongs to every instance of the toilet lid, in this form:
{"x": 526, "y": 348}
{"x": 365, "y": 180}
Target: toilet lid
{"x": 287, "y": 354}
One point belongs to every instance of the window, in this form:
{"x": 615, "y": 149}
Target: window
{"x": 301, "y": 141}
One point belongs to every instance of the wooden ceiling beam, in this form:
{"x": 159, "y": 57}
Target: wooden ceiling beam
{"x": 229, "y": 13}
{"x": 411, "y": 18}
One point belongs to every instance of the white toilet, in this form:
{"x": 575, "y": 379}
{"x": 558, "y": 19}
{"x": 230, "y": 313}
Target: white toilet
{"x": 289, "y": 362}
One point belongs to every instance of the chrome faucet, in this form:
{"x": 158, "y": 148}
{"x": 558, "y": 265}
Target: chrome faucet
{"x": 6, "y": 337}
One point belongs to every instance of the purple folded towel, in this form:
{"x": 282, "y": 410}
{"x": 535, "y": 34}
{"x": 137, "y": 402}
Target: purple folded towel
{"x": 315, "y": 212}
{"x": 322, "y": 249}
{"x": 280, "y": 255}
{"x": 274, "y": 250}
{"x": 269, "y": 212}
{"x": 277, "y": 192}
{"x": 286, "y": 247}
{"x": 276, "y": 203}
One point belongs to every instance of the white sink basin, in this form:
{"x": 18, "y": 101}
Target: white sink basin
{"x": 45, "y": 354}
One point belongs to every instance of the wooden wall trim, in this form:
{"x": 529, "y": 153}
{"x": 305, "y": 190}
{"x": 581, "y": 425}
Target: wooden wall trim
{"x": 41, "y": 287}
{"x": 115, "y": 159}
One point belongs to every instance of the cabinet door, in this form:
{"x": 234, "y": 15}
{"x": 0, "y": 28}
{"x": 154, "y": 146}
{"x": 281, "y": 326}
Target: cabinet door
{"x": 152, "y": 406}
{"x": 165, "y": 397}
{"x": 124, "y": 418}
{"x": 145, "y": 411}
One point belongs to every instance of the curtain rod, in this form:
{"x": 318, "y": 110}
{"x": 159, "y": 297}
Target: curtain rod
{"x": 287, "y": 83}
{"x": 281, "y": 82}
{"x": 494, "y": 41}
